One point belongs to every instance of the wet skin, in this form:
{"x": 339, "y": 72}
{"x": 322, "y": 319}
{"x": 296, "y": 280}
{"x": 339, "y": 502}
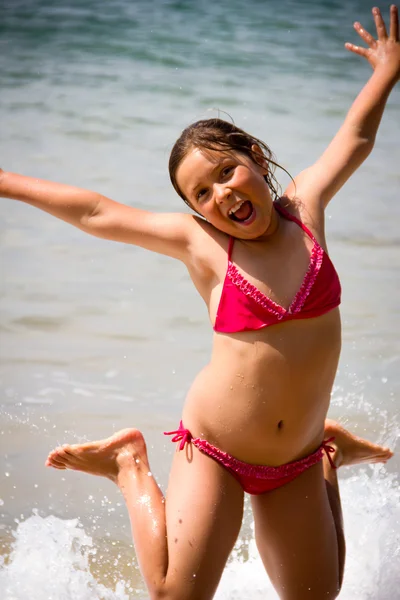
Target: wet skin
{"x": 265, "y": 394}
{"x": 271, "y": 386}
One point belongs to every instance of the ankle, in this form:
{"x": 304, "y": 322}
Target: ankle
{"x": 131, "y": 465}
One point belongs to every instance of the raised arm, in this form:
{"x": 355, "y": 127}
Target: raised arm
{"x": 99, "y": 216}
{"x": 355, "y": 139}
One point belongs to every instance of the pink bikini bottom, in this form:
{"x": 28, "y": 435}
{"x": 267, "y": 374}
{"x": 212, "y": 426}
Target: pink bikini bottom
{"x": 254, "y": 479}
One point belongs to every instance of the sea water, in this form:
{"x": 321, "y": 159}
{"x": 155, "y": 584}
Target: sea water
{"x": 98, "y": 336}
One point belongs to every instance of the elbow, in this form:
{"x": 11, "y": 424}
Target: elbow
{"x": 88, "y": 219}
{"x": 364, "y": 148}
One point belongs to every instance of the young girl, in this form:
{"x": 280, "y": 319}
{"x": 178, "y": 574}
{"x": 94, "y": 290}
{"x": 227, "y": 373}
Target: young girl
{"x": 255, "y": 418}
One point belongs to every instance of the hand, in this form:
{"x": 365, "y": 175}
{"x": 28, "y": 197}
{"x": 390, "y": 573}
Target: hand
{"x": 384, "y": 52}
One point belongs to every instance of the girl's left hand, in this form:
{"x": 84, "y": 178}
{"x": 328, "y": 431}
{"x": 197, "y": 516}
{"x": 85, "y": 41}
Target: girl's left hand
{"x": 384, "y": 52}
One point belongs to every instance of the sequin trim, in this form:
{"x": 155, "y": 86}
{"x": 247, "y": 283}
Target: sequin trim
{"x": 250, "y": 290}
{"x": 316, "y": 257}
{"x": 296, "y": 467}
{"x": 259, "y": 471}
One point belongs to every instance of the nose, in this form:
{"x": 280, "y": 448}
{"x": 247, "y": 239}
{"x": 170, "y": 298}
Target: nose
{"x": 222, "y": 193}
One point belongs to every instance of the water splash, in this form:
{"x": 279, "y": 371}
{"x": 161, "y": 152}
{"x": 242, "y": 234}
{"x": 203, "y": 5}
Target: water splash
{"x": 50, "y": 561}
{"x": 371, "y": 506}
{"x": 50, "y": 558}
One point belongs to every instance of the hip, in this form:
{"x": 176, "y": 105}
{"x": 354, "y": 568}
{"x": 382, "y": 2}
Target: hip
{"x": 258, "y": 425}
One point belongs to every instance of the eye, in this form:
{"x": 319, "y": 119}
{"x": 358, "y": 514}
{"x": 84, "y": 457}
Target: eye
{"x": 200, "y": 195}
{"x": 226, "y": 171}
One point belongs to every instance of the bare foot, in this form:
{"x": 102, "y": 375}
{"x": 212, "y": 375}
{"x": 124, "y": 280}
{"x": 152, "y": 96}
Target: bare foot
{"x": 350, "y": 449}
{"x": 125, "y": 449}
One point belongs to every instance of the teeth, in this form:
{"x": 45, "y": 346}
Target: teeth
{"x": 236, "y": 207}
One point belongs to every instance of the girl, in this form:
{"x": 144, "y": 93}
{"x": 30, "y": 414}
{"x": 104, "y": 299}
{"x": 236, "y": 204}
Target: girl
{"x": 255, "y": 418}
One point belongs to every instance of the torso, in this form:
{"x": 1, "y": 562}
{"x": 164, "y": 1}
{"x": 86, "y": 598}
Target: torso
{"x": 265, "y": 394}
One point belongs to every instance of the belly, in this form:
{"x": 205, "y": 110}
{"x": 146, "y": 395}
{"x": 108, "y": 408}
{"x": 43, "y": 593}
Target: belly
{"x": 264, "y": 396}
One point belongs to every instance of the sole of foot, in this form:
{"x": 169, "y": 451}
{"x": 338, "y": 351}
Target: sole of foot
{"x": 105, "y": 458}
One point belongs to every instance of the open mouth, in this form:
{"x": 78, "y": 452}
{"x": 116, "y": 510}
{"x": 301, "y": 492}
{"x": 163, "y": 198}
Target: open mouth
{"x": 242, "y": 213}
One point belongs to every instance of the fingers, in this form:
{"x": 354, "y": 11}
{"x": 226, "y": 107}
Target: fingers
{"x": 394, "y": 23}
{"x": 356, "y": 49}
{"x": 380, "y": 30}
{"x": 363, "y": 33}
{"x": 379, "y": 24}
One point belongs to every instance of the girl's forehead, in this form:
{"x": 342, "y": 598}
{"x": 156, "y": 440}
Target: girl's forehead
{"x": 197, "y": 163}
{"x": 203, "y": 159}
{"x": 207, "y": 155}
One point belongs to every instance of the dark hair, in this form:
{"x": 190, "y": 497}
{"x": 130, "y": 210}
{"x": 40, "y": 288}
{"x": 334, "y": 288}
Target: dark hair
{"x": 220, "y": 135}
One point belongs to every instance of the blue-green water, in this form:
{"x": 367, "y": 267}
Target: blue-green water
{"x": 94, "y": 94}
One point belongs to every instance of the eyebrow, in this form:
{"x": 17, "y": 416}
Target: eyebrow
{"x": 217, "y": 166}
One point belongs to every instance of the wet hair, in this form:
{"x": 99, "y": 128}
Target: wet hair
{"x": 222, "y": 136}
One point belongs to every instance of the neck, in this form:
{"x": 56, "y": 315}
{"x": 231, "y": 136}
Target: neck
{"x": 273, "y": 227}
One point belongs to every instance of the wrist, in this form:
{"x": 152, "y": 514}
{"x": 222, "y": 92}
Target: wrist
{"x": 387, "y": 74}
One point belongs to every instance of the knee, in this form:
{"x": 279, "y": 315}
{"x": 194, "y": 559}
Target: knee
{"x": 168, "y": 592}
{"x": 315, "y": 592}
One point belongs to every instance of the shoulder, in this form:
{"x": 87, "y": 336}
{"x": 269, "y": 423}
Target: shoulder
{"x": 209, "y": 246}
{"x": 310, "y": 214}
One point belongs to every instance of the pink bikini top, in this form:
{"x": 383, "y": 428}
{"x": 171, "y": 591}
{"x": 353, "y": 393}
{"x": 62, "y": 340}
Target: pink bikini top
{"x": 243, "y": 307}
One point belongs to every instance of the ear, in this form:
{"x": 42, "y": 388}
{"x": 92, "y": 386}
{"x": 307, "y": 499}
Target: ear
{"x": 259, "y": 157}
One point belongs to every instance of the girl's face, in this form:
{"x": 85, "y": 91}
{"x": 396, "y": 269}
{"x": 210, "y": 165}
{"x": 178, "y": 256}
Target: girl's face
{"x": 229, "y": 190}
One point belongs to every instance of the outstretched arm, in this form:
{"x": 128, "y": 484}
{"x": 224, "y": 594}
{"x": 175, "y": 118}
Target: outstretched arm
{"x": 99, "y": 216}
{"x": 355, "y": 139}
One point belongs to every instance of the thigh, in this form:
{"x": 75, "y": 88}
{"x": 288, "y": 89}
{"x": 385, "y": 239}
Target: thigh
{"x": 204, "y": 510}
{"x": 296, "y": 537}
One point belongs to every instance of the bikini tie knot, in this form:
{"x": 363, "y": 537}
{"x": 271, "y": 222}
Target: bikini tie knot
{"x": 181, "y": 435}
{"x": 329, "y": 450}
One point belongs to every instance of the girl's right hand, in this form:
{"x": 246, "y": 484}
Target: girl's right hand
{"x": 383, "y": 53}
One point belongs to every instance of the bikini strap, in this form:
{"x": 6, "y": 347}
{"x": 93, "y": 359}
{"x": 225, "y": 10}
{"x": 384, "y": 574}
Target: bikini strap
{"x": 230, "y": 247}
{"x": 287, "y": 215}
{"x": 181, "y": 435}
{"x": 329, "y": 450}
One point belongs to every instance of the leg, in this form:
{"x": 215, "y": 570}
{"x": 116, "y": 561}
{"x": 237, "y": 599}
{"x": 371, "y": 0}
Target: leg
{"x": 349, "y": 450}
{"x": 182, "y": 544}
{"x": 332, "y": 489}
{"x": 299, "y": 527}
{"x": 296, "y": 538}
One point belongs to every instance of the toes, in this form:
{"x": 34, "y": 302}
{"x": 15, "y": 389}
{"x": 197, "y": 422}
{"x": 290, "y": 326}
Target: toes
{"x": 57, "y": 458}
{"x": 52, "y": 462}
{"x": 53, "y": 466}
{"x": 67, "y": 452}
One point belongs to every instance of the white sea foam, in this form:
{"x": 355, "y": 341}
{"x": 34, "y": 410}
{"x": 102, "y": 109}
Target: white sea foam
{"x": 371, "y": 506}
{"x": 50, "y": 557}
{"x": 50, "y": 561}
